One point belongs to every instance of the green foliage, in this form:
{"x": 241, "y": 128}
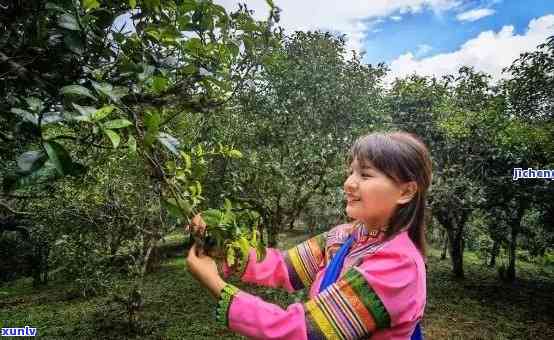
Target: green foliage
{"x": 59, "y": 157}
{"x": 77, "y": 90}
{"x": 110, "y": 89}
{"x": 307, "y": 84}
{"x": 112, "y": 138}
{"x": 231, "y": 232}
{"x": 547, "y": 260}
{"x": 15, "y": 250}
{"x": 80, "y": 261}
{"x": 532, "y": 83}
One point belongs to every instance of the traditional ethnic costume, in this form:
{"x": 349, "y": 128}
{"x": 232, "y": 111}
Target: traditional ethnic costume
{"x": 380, "y": 291}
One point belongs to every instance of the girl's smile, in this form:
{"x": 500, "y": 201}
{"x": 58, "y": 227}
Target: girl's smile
{"x": 371, "y": 196}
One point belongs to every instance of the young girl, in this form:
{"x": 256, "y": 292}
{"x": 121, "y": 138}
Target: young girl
{"x": 366, "y": 279}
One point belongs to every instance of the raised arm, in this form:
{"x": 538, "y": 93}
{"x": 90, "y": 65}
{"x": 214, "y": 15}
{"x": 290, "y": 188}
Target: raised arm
{"x": 292, "y": 269}
{"x": 367, "y": 300}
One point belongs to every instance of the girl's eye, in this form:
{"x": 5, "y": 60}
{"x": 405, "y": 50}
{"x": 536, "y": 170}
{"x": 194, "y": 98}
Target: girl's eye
{"x": 366, "y": 175}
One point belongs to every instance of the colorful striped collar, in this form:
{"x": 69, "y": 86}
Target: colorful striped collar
{"x": 362, "y": 235}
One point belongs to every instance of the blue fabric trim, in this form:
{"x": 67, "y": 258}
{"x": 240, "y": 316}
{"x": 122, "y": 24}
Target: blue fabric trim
{"x": 333, "y": 270}
{"x": 417, "y": 334}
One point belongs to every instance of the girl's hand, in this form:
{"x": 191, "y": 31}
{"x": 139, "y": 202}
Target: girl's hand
{"x": 204, "y": 269}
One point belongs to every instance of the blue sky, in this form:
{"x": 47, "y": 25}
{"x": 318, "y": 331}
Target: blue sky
{"x": 443, "y": 32}
{"x": 428, "y": 37}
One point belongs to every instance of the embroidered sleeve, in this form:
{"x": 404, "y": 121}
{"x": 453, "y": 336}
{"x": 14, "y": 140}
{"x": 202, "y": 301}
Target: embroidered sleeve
{"x": 292, "y": 269}
{"x": 224, "y": 303}
{"x": 305, "y": 260}
{"x": 348, "y": 309}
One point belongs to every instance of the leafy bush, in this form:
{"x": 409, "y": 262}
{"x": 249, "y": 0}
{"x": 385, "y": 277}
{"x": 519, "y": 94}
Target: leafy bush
{"x": 15, "y": 256}
{"x": 79, "y": 260}
{"x": 547, "y": 259}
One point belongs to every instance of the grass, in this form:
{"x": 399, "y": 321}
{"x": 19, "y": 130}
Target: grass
{"x": 176, "y": 307}
{"x": 481, "y": 307}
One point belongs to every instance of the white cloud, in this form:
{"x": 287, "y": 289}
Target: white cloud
{"x": 351, "y": 17}
{"x": 396, "y": 18}
{"x": 422, "y": 50}
{"x": 475, "y": 14}
{"x": 489, "y": 52}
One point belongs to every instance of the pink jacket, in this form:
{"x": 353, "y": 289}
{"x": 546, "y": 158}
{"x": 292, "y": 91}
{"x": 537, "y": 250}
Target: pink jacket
{"x": 380, "y": 294}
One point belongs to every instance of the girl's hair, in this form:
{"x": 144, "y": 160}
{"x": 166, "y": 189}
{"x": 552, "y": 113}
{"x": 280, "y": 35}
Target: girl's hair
{"x": 402, "y": 157}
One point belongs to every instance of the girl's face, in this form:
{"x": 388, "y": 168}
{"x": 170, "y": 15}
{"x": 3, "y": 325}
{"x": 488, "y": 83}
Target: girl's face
{"x": 371, "y": 196}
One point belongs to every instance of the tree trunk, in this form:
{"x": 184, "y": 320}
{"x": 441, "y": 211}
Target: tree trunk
{"x": 454, "y": 225}
{"x": 271, "y": 238}
{"x": 444, "y": 246}
{"x": 41, "y": 250}
{"x": 146, "y": 262}
{"x": 272, "y": 233}
{"x": 261, "y": 230}
{"x": 291, "y": 224}
{"x": 494, "y": 253}
{"x": 455, "y": 238}
{"x": 515, "y": 228}
{"x": 275, "y": 225}
{"x": 511, "y": 273}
